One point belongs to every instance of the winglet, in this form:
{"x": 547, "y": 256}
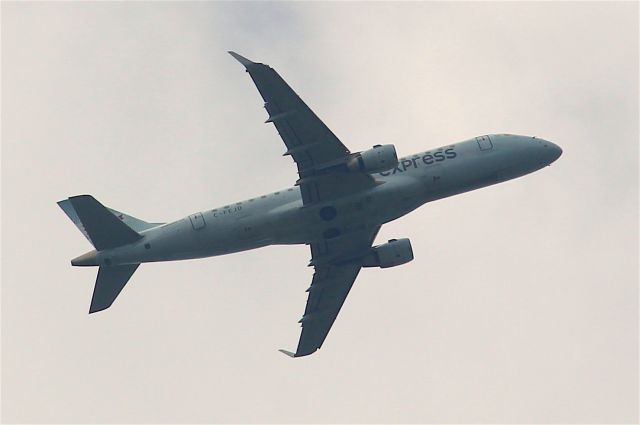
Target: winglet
{"x": 288, "y": 353}
{"x": 244, "y": 61}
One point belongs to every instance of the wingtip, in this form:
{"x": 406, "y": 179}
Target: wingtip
{"x": 288, "y": 353}
{"x": 93, "y": 309}
{"x": 244, "y": 61}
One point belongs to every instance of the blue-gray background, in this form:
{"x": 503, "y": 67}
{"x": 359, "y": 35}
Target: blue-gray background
{"x": 521, "y": 304}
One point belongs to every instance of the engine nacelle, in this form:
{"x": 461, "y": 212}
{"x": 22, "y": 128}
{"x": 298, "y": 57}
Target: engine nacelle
{"x": 376, "y": 160}
{"x": 390, "y": 254}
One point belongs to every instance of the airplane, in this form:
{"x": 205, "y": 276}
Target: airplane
{"x": 337, "y": 206}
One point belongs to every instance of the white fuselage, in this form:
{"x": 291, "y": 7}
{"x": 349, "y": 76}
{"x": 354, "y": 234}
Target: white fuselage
{"x": 281, "y": 218}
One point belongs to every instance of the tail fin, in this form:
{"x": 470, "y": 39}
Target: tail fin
{"x": 104, "y": 227}
{"x": 109, "y": 283}
{"x": 135, "y": 223}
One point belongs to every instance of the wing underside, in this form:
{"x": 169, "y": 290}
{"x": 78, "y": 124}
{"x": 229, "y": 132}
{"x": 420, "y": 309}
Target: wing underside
{"x": 321, "y": 159}
{"x": 336, "y": 263}
{"x": 317, "y": 152}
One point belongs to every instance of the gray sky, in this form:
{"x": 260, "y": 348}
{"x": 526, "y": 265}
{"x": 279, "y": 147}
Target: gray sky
{"x": 521, "y": 304}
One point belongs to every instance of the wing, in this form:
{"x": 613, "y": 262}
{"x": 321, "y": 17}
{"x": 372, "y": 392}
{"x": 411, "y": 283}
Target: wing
{"x": 318, "y": 153}
{"x": 337, "y": 265}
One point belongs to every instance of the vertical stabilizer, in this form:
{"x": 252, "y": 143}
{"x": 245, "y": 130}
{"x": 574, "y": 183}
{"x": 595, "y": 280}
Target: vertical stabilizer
{"x": 103, "y": 229}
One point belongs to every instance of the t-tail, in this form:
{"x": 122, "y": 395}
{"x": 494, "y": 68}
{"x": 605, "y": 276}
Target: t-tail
{"x": 106, "y": 229}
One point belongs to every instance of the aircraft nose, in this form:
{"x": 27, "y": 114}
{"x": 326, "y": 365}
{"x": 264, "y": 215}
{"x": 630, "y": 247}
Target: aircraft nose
{"x": 551, "y": 150}
{"x": 556, "y": 151}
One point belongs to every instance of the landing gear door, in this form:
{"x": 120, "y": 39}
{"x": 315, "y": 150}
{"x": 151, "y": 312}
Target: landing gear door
{"x": 484, "y": 143}
{"x": 197, "y": 221}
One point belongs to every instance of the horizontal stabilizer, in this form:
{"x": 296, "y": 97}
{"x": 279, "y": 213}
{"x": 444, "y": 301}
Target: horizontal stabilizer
{"x": 109, "y": 284}
{"x": 103, "y": 229}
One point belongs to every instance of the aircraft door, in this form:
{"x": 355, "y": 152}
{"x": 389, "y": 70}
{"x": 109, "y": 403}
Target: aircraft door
{"x": 484, "y": 143}
{"x": 197, "y": 221}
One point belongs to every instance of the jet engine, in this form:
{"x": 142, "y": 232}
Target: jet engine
{"x": 390, "y": 254}
{"x": 378, "y": 159}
